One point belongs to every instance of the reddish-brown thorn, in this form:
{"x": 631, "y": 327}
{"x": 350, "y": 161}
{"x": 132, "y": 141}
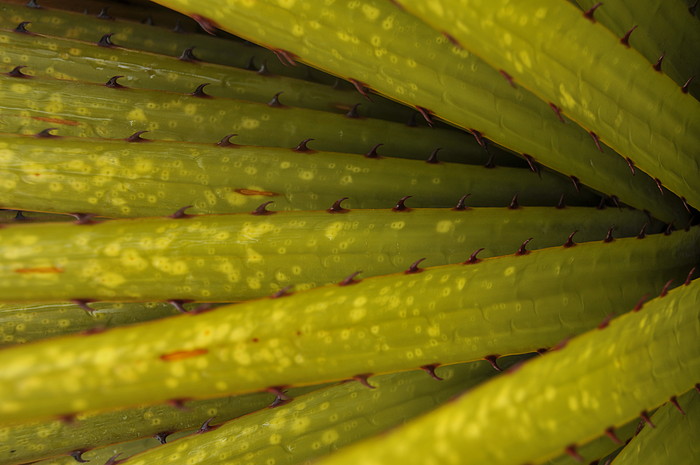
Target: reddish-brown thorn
{"x": 479, "y": 138}
{"x": 514, "y": 205}
{"x": 16, "y": 72}
{"x": 83, "y": 303}
{"x": 610, "y": 432}
{"x": 178, "y": 29}
{"x": 522, "y": 250}
{"x": 542, "y": 351}
{"x": 630, "y": 163}
{"x": 615, "y": 201}
{"x": 452, "y": 39}
{"x": 285, "y": 291}
{"x": 606, "y": 321}
{"x": 657, "y": 65}
{"x": 180, "y": 213}
{"x": 461, "y": 206}
{"x": 644, "y": 415}
{"x": 491, "y": 162}
{"x": 178, "y": 403}
{"x": 640, "y": 303}
{"x": 577, "y": 183}
{"x": 557, "y": 111}
{"x": 46, "y": 133}
{"x": 674, "y": 401}
{"x": 472, "y": 258}
{"x": 433, "y": 158}
{"x": 251, "y": 64}
{"x": 226, "y": 141}
{"x": 262, "y": 71}
{"x": 573, "y": 453}
{"x": 626, "y": 38}
{"x": 590, "y": 12}
{"x": 361, "y": 88}
{"x": 349, "y": 280}
{"x": 136, "y": 137}
{"x": 609, "y": 236}
{"x": 602, "y": 205}
{"x": 413, "y": 268}
{"x": 531, "y": 163}
{"x": 560, "y": 345}
{"x": 78, "y": 455}
{"x": 643, "y": 232}
{"x": 561, "y": 204}
{"x": 104, "y": 14}
{"x": 188, "y": 55}
{"x": 659, "y": 185}
{"x": 113, "y": 459}
{"x": 596, "y": 140}
{"x": 426, "y": 114}
{"x": 352, "y": 112}
{"x": 430, "y": 369}
{"x": 162, "y": 437}
{"x": 22, "y": 27}
{"x": 493, "y": 360}
{"x": 689, "y": 278}
{"x": 570, "y": 240}
{"x": 209, "y": 25}
{"x": 67, "y": 418}
{"x": 83, "y": 218}
{"x": 106, "y": 40}
{"x": 669, "y": 229}
{"x": 508, "y": 78}
{"x": 262, "y": 209}
{"x": 19, "y": 216}
{"x": 199, "y": 91}
{"x": 664, "y": 290}
{"x": 206, "y": 426}
{"x": 285, "y": 57}
{"x": 302, "y": 147}
{"x": 373, "y": 152}
{"x": 337, "y": 208}
{"x": 113, "y": 84}
{"x": 363, "y": 380}
{"x": 275, "y": 102}
{"x": 697, "y": 387}
{"x": 179, "y": 304}
{"x": 685, "y": 204}
{"x": 401, "y": 204}
{"x": 686, "y": 86}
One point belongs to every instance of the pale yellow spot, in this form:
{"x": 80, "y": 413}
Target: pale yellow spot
{"x": 397, "y": 225}
{"x": 136, "y": 114}
{"x": 250, "y": 123}
{"x": 444, "y": 226}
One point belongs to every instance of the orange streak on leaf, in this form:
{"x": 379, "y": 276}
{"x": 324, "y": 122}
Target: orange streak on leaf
{"x": 56, "y": 120}
{"x": 40, "y": 269}
{"x": 182, "y": 354}
{"x": 254, "y": 192}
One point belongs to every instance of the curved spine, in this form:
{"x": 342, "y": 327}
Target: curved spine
{"x": 30, "y": 441}
{"x": 393, "y": 53}
{"x": 608, "y": 89}
{"x": 136, "y": 36}
{"x": 28, "y": 322}
{"x": 322, "y": 421}
{"x": 115, "y": 178}
{"x": 92, "y": 110}
{"x": 444, "y": 315}
{"x": 243, "y": 256}
{"x": 602, "y": 378}
{"x": 71, "y": 59}
{"x": 673, "y": 438}
{"x": 663, "y": 28}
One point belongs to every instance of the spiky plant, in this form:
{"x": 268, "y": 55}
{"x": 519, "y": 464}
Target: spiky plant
{"x": 186, "y": 327}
